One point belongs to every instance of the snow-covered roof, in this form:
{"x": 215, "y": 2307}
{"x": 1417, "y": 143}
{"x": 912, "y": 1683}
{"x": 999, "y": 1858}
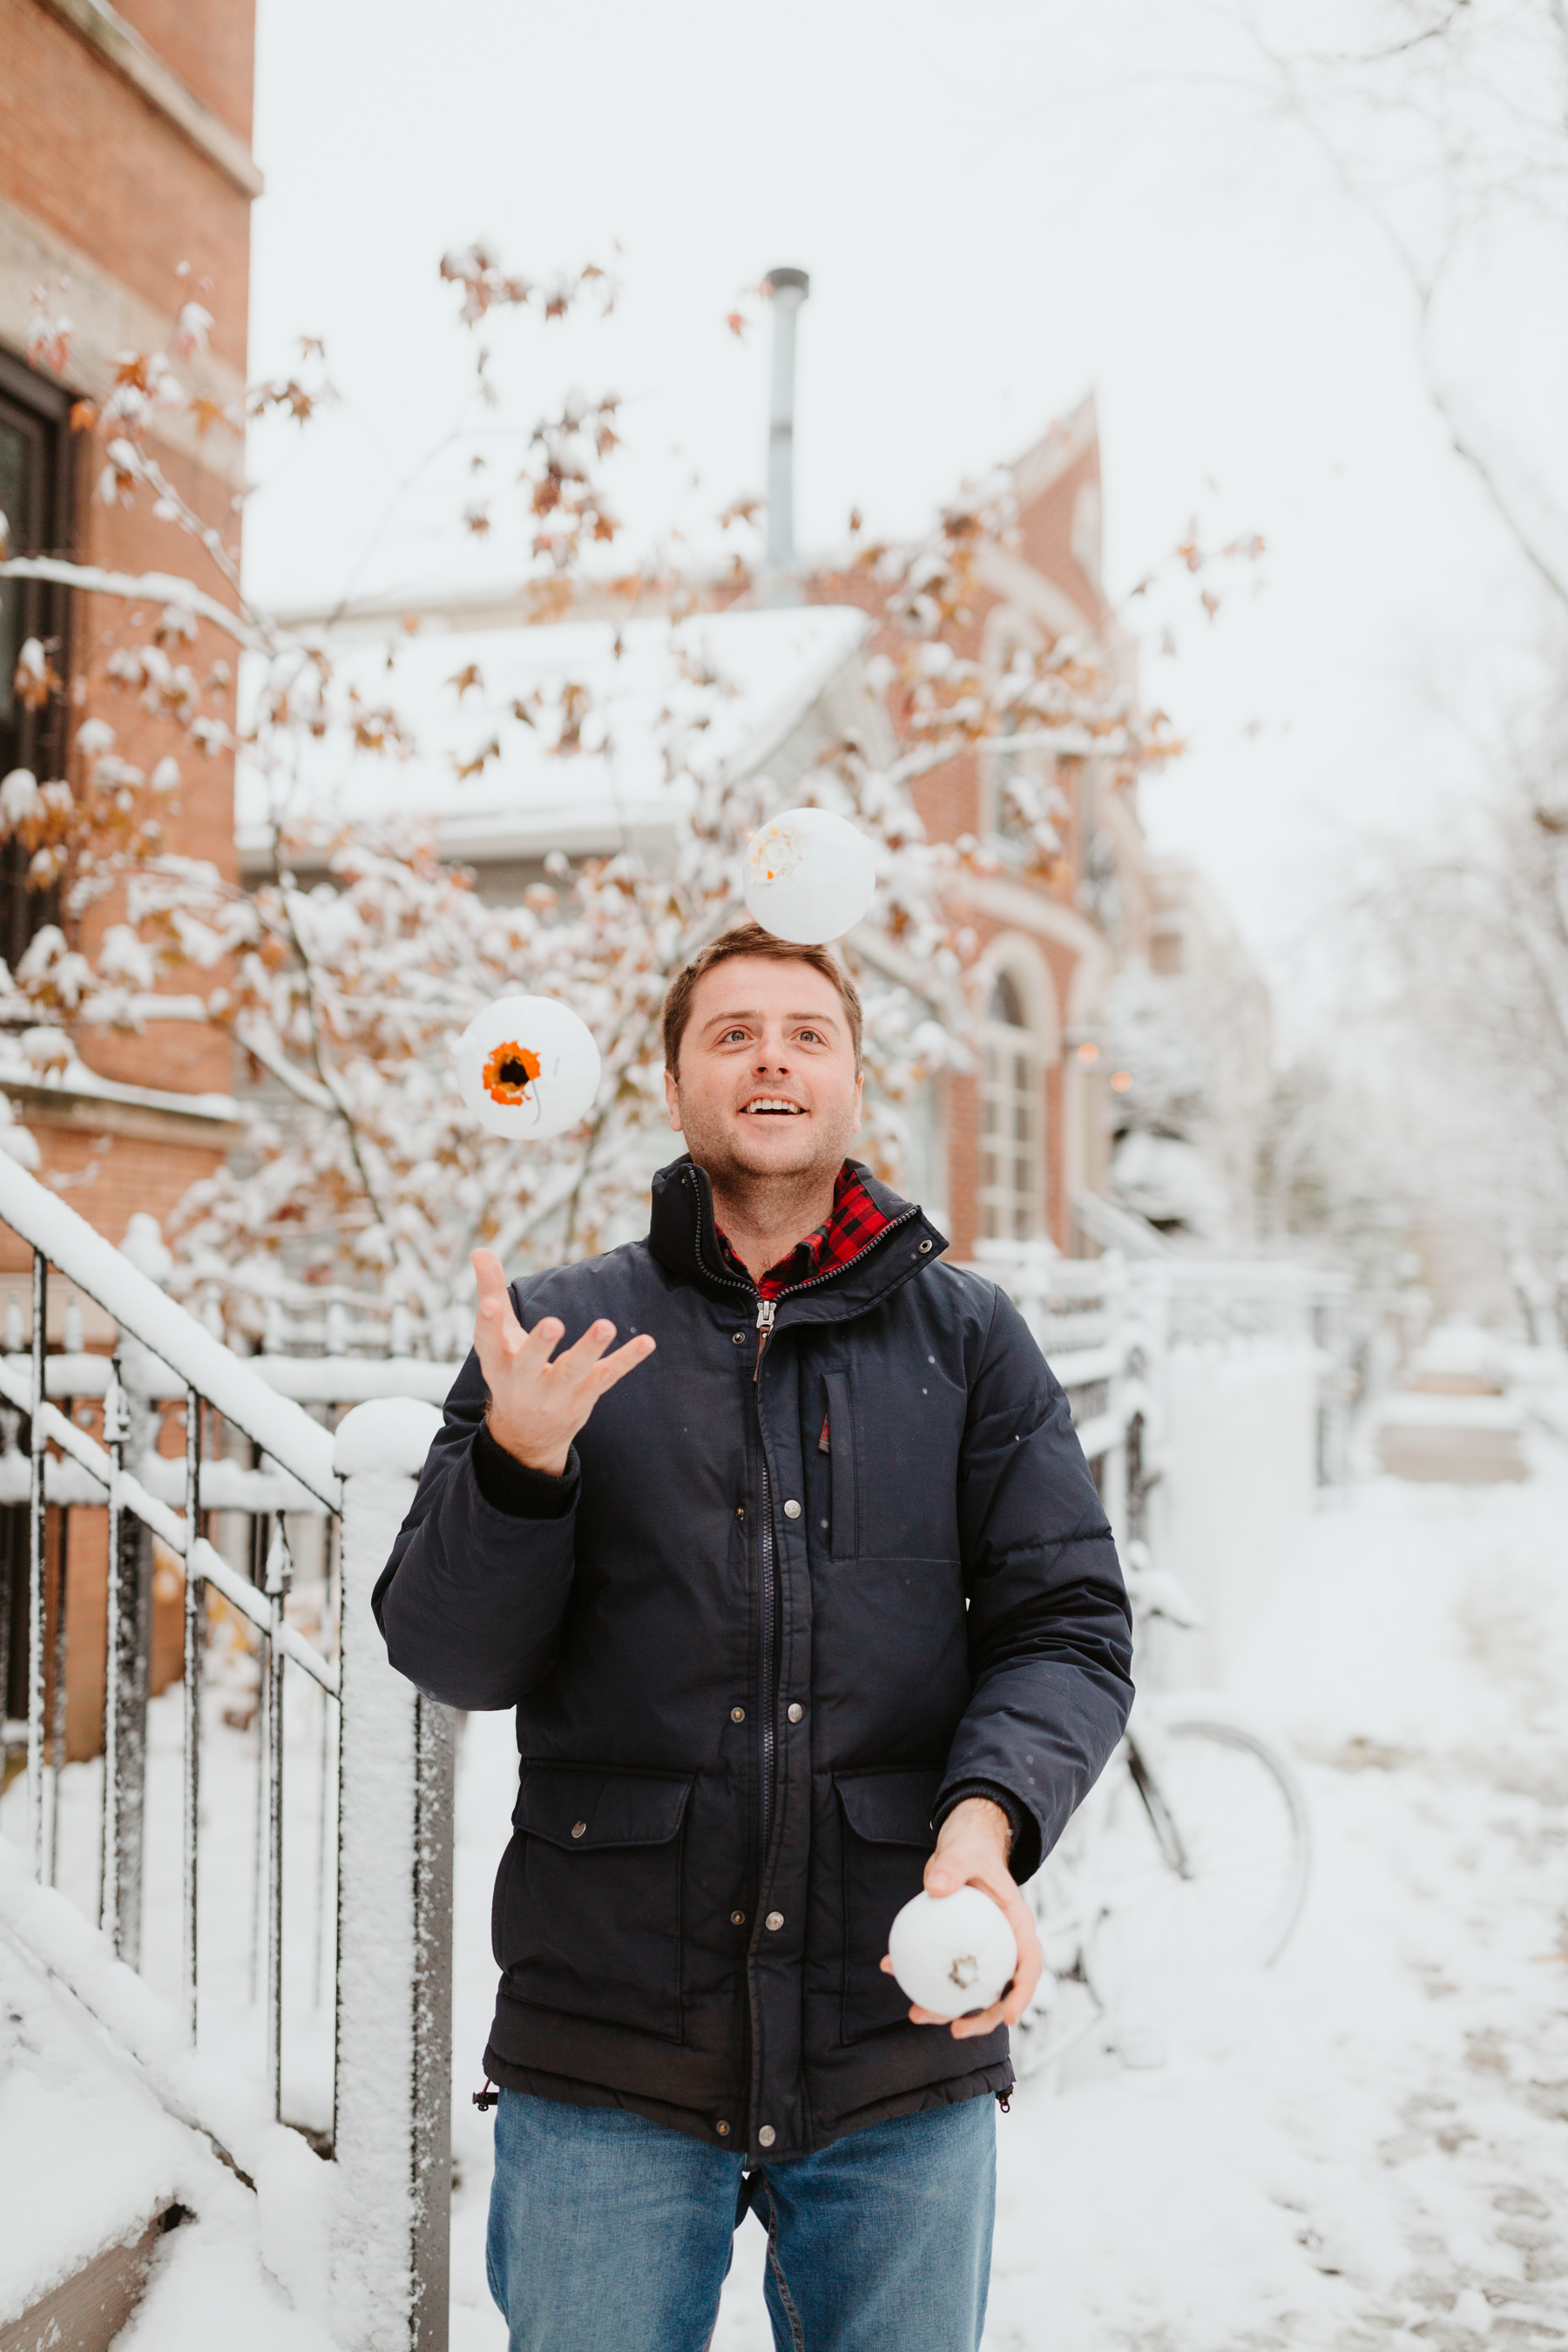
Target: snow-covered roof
{"x": 731, "y": 687}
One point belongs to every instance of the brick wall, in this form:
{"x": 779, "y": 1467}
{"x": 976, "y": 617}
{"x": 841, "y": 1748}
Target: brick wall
{"x": 96, "y": 163}
{"x": 103, "y": 174}
{"x": 950, "y": 802}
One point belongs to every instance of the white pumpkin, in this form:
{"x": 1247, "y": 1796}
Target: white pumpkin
{"x": 809, "y": 877}
{"x": 952, "y": 1953}
{"x": 527, "y": 1067}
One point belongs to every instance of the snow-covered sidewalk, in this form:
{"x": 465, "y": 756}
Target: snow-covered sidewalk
{"x": 1368, "y": 2146}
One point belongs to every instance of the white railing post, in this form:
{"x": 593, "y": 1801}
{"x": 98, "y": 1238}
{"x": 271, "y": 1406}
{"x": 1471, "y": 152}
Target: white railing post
{"x": 392, "y": 2126}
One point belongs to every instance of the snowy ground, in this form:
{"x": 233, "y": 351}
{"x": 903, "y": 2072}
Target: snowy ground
{"x": 1366, "y": 2148}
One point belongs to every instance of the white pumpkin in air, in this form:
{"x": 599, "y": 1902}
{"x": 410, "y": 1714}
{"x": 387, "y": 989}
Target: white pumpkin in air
{"x": 952, "y": 1953}
{"x": 809, "y": 877}
{"x": 528, "y": 1066}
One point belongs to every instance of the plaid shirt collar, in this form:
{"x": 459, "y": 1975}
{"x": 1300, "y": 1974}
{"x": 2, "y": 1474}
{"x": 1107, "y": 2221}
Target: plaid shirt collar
{"x": 851, "y": 1225}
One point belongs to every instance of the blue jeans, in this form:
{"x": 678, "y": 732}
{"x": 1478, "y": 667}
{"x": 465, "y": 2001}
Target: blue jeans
{"x": 612, "y": 2234}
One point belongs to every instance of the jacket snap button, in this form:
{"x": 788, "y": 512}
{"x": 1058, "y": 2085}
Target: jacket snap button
{"x": 579, "y": 1829}
{"x": 775, "y": 1920}
{"x": 737, "y": 1919}
{"x": 792, "y": 1509}
{"x": 738, "y": 1338}
{"x": 766, "y": 2137}
{"x": 923, "y": 1247}
{"x": 796, "y": 1712}
{"x": 737, "y": 1715}
{"x": 723, "y": 2130}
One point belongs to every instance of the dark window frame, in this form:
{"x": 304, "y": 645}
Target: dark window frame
{"x": 40, "y": 410}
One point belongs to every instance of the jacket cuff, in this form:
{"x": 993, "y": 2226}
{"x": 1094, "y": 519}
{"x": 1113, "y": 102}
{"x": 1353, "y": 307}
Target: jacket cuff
{"x": 1024, "y": 1859}
{"x": 509, "y": 1485}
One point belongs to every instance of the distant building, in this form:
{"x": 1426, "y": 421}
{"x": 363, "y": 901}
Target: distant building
{"x": 1003, "y": 1155}
{"x": 1013, "y": 1145}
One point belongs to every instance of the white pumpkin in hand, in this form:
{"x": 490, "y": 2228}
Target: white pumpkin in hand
{"x": 952, "y": 1953}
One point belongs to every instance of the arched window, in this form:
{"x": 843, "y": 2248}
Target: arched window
{"x": 1011, "y": 1120}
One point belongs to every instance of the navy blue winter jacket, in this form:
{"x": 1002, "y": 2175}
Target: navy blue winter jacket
{"x": 780, "y": 1612}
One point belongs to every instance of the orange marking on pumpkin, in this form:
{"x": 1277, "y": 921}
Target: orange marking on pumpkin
{"x": 501, "y": 1083}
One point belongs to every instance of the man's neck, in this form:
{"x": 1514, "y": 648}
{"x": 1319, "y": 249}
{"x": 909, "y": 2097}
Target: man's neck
{"x": 763, "y": 1217}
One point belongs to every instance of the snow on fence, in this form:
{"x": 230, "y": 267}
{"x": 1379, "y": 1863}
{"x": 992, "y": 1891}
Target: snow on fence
{"x": 1212, "y": 1398}
{"x": 389, "y": 2150}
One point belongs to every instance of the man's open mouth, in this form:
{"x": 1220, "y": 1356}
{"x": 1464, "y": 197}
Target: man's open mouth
{"x": 771, "y": 1107}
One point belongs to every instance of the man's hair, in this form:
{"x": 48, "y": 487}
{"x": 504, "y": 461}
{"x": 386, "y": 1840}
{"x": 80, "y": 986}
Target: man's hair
{"x": 751, "y": 939}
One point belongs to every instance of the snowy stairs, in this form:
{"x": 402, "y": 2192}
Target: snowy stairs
{"x": 91, "y": 2165}
{"x": 86, "y": 2311}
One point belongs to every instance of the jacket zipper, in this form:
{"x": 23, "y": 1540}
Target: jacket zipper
{"x": 767, "y": 1662}
{"x": 767, "y": 1577}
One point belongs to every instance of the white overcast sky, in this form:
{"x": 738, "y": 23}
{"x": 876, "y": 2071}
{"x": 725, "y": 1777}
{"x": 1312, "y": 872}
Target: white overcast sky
{"x": 1002, "y": 205}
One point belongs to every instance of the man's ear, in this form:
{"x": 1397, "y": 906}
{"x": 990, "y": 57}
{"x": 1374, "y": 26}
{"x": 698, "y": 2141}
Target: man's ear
{"x": 672, "y": 1099}
{"x": 859, "y": 1086}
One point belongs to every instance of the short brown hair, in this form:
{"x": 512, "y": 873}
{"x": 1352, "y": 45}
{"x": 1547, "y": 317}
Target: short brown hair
{"x": 751, "y": 939}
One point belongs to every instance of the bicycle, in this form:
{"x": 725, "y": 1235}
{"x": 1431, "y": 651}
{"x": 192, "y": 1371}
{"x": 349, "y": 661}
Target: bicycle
{"x": 1194, "y": 1849}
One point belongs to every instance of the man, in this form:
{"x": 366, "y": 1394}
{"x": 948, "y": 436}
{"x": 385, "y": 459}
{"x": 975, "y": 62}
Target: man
{"x": 805, "y": 1578}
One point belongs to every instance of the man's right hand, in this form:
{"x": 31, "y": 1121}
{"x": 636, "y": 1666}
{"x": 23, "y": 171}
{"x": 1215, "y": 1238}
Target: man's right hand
{"x": 537, "y": 1407}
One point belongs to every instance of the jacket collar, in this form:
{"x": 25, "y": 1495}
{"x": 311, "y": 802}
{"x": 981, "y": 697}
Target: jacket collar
{"x": 682, "y": 1237}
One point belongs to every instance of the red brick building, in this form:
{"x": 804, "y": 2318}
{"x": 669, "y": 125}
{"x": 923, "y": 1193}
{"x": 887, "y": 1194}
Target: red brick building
{"x": 126, "y": 189}
{"x": 1029, "y": 1129}
{"x": 123, "y": 155}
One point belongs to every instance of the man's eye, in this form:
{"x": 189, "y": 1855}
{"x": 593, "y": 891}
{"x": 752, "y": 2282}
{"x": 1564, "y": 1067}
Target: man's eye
{"x": 732, "y": 1035}
{"x": 811, "y": 1037}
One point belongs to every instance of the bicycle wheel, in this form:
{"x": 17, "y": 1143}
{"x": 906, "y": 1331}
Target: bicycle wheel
{"x": 1203, "y": 1855}
{"x": 1063, "y": 2012}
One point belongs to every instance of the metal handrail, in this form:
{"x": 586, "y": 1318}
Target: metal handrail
{"x": 207, "y": 1374}
{"x": 394, "y": 1749}
{"x": 133, "y": 1301}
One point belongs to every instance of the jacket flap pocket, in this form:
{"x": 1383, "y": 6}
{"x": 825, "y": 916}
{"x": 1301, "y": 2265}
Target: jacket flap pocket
{"x": 573, "y": 1806}
{"x": 890, "y": 1808}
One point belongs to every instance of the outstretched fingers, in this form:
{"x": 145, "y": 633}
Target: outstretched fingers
{"x": 625, "y": 1360}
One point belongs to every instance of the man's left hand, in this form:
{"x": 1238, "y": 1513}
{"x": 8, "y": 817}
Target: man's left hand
{"x": 972, "y": 1850}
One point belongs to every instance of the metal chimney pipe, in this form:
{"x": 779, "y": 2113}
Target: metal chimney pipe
{"x": 787, "y": 289}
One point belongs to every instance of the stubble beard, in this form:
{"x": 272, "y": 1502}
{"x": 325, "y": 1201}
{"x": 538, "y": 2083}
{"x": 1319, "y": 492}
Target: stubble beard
{"x": 767, "y": 1189}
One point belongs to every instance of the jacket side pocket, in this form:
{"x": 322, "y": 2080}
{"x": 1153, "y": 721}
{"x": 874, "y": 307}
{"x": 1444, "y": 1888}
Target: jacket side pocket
{"x": 887, "y": 1838}
{"x": 841, "y": 1464}
{"x": 590, "y": 1913}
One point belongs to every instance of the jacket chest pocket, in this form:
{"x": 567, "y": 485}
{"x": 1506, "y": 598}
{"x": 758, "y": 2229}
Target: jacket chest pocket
{"x": 587, "y": 1909}
{"x": 887, "y": 1840}
{"x": 838, "y": 1429}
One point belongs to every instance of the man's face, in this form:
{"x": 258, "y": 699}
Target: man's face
{"x": 767, "y": 1085}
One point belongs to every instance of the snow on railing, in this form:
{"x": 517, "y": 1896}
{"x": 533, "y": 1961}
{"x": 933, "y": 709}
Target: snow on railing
{"x": 391, "y": 2136}
{"x": 1109, "y": 1329}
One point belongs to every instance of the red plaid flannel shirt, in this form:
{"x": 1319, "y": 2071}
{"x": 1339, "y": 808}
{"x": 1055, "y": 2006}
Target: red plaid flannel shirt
{"x": 853, "y": 1221}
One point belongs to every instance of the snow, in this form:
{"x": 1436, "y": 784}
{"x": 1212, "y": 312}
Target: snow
{"x": 87, "y": 2112}
{"x": 1416, "y": 1408}
{"x": 76, "y": 2108}
{"x": 70, "y": 1077}
{"x": 387, "y": 1436}
{"x": 1363, "y": 2147}
{"x": 213, "y": 2267}
{"x": 371, "y": 2282}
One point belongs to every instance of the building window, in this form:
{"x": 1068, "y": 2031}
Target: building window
{"x": 33, "y": 499}
{"x": 1012, "y": 1104}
